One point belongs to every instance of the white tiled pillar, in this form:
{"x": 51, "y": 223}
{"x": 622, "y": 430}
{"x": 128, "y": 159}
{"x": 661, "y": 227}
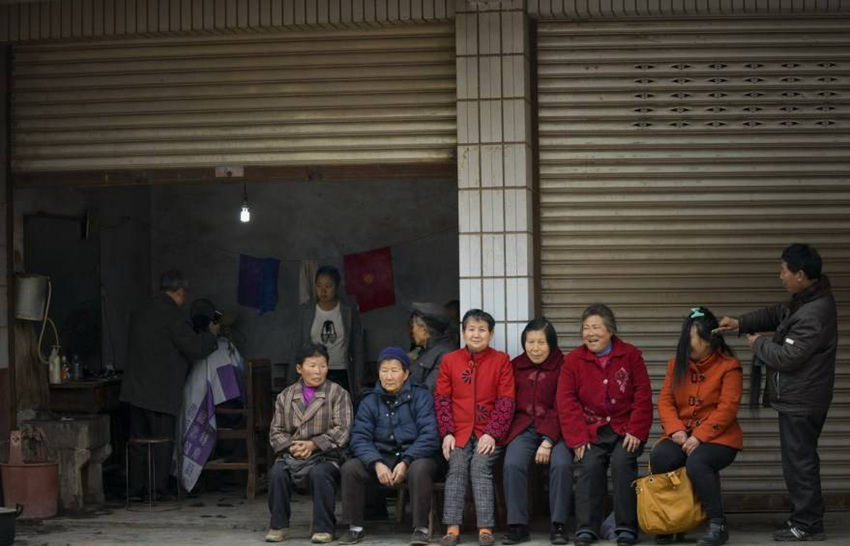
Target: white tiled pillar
{"x": 495, "y": 165}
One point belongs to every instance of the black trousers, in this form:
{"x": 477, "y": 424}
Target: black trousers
{"x": 593, "y": 483}
{"x": 798, "y": 440}
{"x": 324, "y": 481}
{"x": 703, "y": 467}
{"x": 356, "y": 477}
{"x": 150, "y": 424}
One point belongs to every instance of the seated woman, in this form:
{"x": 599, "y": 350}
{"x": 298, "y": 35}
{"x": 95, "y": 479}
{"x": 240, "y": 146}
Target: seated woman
{"x": 535, "y": 435}
{"x": 308, "y": 433}
{"x": 428, "y": 324}
{"x": 605, "y": 409}
{"x": 474, "y": 402}
{"x": 394, "y": 439}
{"x": 698, "y": 406}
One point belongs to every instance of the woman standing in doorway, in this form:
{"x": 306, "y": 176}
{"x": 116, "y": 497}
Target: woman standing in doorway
{"x": 335, "y": 324}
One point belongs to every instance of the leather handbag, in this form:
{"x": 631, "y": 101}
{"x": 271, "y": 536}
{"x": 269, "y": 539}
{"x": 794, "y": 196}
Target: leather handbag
{"x": 667, "y": 504}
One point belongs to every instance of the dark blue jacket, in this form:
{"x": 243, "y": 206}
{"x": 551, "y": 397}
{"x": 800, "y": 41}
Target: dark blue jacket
{"x": 395, "y": 428}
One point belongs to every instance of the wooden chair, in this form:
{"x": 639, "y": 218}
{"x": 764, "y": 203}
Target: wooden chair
{"x": 254, "y": 430}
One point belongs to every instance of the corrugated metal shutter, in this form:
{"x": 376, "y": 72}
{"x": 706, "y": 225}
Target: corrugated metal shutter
{"x": 317, "y": 98}
{"x": 677, "y": 160}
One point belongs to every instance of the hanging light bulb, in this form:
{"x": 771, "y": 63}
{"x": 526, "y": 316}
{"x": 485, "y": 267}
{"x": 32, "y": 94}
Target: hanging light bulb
{"x": 245, "y": 215}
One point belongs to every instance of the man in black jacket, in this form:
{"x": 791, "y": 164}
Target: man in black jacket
{"x": 162, "y": 347}
{"x": 800, "y": 358}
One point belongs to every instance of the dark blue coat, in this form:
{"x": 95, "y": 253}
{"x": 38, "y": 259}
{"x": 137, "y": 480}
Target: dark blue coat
{"x": 395, "y": 428}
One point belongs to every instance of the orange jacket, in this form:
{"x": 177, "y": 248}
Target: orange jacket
{"x": 706, "y": 403}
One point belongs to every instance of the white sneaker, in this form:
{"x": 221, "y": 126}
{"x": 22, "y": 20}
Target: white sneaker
{"x": 322, "y": 538}
{"x": 277, "y": 535}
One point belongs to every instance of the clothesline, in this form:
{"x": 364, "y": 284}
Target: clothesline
{"x": 198, "y": 242}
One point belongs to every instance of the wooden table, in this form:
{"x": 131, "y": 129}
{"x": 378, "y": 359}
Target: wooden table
{"x": 89, "y": 396}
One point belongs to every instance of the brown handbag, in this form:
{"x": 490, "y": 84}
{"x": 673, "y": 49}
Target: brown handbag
{"x": 667, "y": 504}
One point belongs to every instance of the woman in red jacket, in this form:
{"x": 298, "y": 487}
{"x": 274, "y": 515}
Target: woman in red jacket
{"x": 535, "y": 435}
{"x": 474, "y": 403}
{"x": 698, "y": 406}
{"x": 605, "y": 408}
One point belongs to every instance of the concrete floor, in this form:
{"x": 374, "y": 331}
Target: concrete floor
{"x": 228, "y": 519}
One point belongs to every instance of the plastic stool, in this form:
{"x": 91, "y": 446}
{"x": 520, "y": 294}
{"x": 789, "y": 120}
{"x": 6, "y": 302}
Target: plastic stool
{"x": 150, "y": 443}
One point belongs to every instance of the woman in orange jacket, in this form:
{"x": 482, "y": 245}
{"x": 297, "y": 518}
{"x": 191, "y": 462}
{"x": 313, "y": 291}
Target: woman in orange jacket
{"x": 698, "y": 406}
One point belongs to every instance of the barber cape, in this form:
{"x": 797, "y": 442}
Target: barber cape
{"x": 211, "y": 381}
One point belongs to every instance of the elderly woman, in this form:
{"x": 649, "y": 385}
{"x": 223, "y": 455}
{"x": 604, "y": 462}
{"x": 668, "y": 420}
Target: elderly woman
{"x": 334, "y": 323}
{"x": 428, "y": 325}
{"x": 308, "y": 433}
{"x": 535, "y": 435}
{"x": 605, "y": 409}
{"x": 703, "y": 436}
{"x": 394, "y": 439}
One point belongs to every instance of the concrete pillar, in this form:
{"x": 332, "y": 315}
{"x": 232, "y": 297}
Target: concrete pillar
{"x": 495, "y": 154}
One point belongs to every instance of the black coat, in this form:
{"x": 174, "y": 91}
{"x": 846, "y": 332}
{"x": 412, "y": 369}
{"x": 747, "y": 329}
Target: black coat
{"x": 801, "y": 355}
{"x": 162, "y": 347}
{"x": 425, "y": 369}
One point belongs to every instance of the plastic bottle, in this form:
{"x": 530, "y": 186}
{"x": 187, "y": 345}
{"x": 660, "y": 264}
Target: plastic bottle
{"x": 55, "y": 367}
{"x": 76, "y": 369}
{"x": 66, "y": 370}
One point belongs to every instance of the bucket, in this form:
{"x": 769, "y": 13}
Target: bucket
{"x": 7, "y": 524}
{"x": 33, "y": 485}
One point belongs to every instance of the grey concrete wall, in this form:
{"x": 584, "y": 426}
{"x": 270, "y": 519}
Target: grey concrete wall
{"x": 196, "y": 229}
{"x": 120, "y": 220}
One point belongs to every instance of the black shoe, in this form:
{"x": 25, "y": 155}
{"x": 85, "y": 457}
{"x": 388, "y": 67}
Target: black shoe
{"x": 715, "y": 535}
{"x": 419, "y": 538}
{"x": 793, "y": 532}
{"x": 516, "y": 534}
{"x": 584, "y": 539}
{"x": 626, "y": 538}
{"x": 559, "y": 534}
{"x": 352, "y": 537}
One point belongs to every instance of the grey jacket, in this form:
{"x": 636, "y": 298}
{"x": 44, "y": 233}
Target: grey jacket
{"x": 426, "y": 367}
{"x": 353, "y": 332}
{"x": 801, "y": 354}
{"x": 162, "y": 346}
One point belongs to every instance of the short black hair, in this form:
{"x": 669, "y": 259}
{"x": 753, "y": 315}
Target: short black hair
{"x": 331, "y": 272}
{"x": 310, "y": 350}
{"x": 537, "y": 325}
{"x": 172, "y": 280}
{"x": 604, "y": 312}
{"x": 800, "y": 256}
{"x": 478, "y": 314}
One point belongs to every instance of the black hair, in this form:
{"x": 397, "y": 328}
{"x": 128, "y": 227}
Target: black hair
{"x": 537, "y": 325}
{"x": 604, "y": 312}
{"x": 331, "y": 272}
{"x": 453, "y": 304}
{"x": 172, "y": 280}
{"x": 478, "y": 314}
{"x": 310, "y": 350}
{"x": 799, "y": 256}
{"x": 705, "y": 322}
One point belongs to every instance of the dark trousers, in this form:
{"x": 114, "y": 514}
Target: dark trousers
{"x": 703, "y": 467}
{"x": 324, "y": 481}
{"x": 150, "y": 424}
{"x": 798, "y": 440}
{"x": 519, "y": 456}
{"x": 593, "y": 483}
{"x": 356, "y": 477}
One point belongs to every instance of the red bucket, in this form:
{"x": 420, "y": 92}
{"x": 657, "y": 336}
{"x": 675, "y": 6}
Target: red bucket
{"x": 35, "y": 486}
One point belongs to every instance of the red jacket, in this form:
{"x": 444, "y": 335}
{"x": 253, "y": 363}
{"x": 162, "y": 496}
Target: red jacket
{"x": 536, "y": 386}
{"x": 590, "y": 397}
{"x": 706, "y": 403}
{"x": 474, "y": 393}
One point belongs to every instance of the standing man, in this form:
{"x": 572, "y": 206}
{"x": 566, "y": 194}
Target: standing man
{"x": 800, "y": 358}
{"x": 161, "y": 348}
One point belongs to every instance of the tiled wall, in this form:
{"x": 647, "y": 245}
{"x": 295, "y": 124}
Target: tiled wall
{"x": 495, "y": 166}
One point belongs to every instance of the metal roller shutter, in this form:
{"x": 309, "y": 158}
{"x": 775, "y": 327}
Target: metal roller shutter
{"x": 316, "y": 98}
{"x": 677, "y": 160}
